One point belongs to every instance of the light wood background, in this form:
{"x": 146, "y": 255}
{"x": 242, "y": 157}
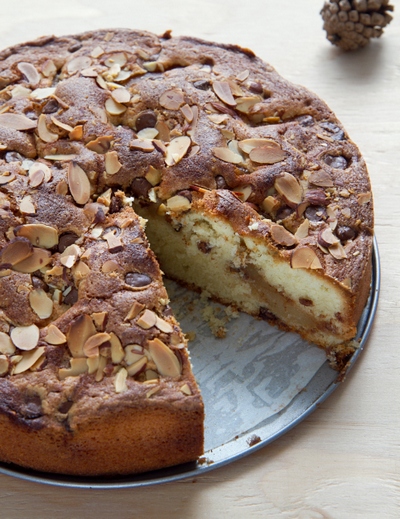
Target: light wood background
{"x": 343, "y": 462}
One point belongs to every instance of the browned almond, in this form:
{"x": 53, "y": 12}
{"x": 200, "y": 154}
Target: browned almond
{"x": 114, "y": 242}
{"x": 55, "y": 335}
{"x": 172, "y": 99}
{"x": 163, "y": 325}
{"x": 288, "y": 186}
{"x": 302, "y": 230}
{"x": 305, "y": 258}
{"x": 337, "y": 251}
{"x": 4, "y": 365}
{"x": 134, "y": 311}
{"x": 177, "y": 149}
{"x": 164, "y": 133}
{"x": 326, "y": 238}
{"x": 364, "y": 198}
{"x": 37, "y": 260}
{"x": 93, "y": 343}
{"x": 178, "y": 203}
{"x": 101, "y": 144}
{"x": 6, "y": 345}
{"x": 247, "y": 145}
{"x": 29, "y": 71}
{"x": 112, "y": 163}
{"x": 117, "y": 351}
{"x": 227, "y": 155}
{"x": 78, "y": 63}
{"x": 270, "y": 204}
{"x": 267, "y": 155}
{"x": 136, "y": 367}
{"x": 223, "y": 90}
{"x": 187, "y": 113}
{"x": 40, "y": 303}
{"x": 320, "y": 178}
{"x": 153, "y": 176}
{"x": 246, "y": 103}
{"x": 76, "y": 133}
{"x": 16, "y": 251}
{"x": 44, "y": 133}
{"x": 27, "y": 206}
{"x": 80, "y": 271}
{"x": 77, "y": 367}
{"x": 142, "y": 145}
{"x": 147, "y": 319}
{"x": 114, "y": 108}
{"x": 120, "y": 381}
{"x": 165, "y": 359}
{"x": 100, "y": 319}
{"x": 17, "y": 122}
{"x": 186, "y": 390}
{"x": 25, "y": 337}
{"x": 60, "y": 124}
{"x": 38, "y": 234}
{"x": 28, "y": 360}
{"x": 78, "y": 183}
{"x": 121, "y": 95}
{"x": 243, "y": 192}
{"x": 281, "y": 236}
{"x": 79, "y": 331}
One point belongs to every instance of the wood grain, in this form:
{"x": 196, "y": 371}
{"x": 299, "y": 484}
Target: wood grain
{"x": 343, "y": 462}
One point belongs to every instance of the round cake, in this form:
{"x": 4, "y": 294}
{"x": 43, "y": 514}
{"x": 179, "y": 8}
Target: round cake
{"x": 121, "y": 151}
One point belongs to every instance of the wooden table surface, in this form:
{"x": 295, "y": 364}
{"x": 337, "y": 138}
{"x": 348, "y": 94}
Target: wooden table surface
{"x": 343, "y": 462}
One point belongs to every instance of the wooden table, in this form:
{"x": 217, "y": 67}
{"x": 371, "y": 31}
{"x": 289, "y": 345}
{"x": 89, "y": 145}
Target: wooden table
{"x": 343, "y": 462}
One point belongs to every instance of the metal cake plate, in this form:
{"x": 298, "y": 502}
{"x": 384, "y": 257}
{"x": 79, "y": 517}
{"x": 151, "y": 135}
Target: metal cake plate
{"x": 257, "y": 383}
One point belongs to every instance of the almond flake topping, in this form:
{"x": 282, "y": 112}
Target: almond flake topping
{"x": 16, "y": 251}
{"x": 79, "y": 331}
{"x": 4, "y": 365}
{"x": 172, "y": 99}
{"x": 37, "y": 260}
{"x": 117, "y": 351}
{"x": 114, "y": 108}
{"x": 186, "y": 390}
{"x": 177, "y": 149}
{"x": 40, "y": 303}
{"x": 78, "y": 183}
{"x": 165, "y": 359}
{"x": 39, "y": 172}
{"x": 112, "y": 163}
{"x": 78, "y": 63}
{"x": 93, "y": 343}
{"x": 288, "y": 186}
{"x": 54, "y": 335}
{"x": 28, "y": 360}
{"x": 70, "y": 255}
{"x": 337, "y": 251}
{"x": 136, "y": 367}
{"x": 121, "y": 95}
{"x": 320, "y": 178}
{"x": 163, "y": 325}
{"x": 147, "y": 320}
{"x": 60, "y": 124}
{"x": 305, "y": 258}
{"x": 283, "y": 237}
{"x": 302, "y": 230}
{"x": 77, "y": 367}
{"x": 223, "y": 90}
{"x": 120, "y": 381}
{"x": 17, "y": 122}
{"x": 178, "y": 203}
{"x": 6, "y": 345}
{"x": 25, "y": 337}
{"x": 116, "y": 59}
{"x": 364, "y": 198}
{"x": 227, "y": 155}
{"x": 42, "y": 93}
{"x": 30, "y": 72}
{"x": 39, "y": 235}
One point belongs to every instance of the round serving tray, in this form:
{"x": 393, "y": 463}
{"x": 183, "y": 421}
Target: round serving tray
{"x": 257, "y": 383}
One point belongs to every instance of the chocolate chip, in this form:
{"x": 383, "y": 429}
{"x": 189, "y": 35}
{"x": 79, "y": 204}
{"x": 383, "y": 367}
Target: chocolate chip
{"x": 65, "y": 406}
{"x": 186, "y": 193}
{"x": 135, "y": 279}
{"x": 344, "y": 233}
{"x": 338, "y": 162}
{"x": 256, "y": 87}
{"x": 204, "y": 247}
{"x": 202, "y": 84}
{"x": 39, "y": 283}
{"x": 140, "y": 187}
{"x": 221, "y": 182}
{"x": 32, "y": 406}
{"x": 315, "y": 213}
{"x": 50, "y": 107}
{"x": 284, "y": 212}
{"x": 305, "y": 120}
{"x": 72, "y": 297}
{"x": 316, "y": 197}
{"x": 75, "y": 46}
{"x": 65, "y": 240}
{"x": 146, "y": 119}
{"x": 13, "y": 156}
{"x": 116, "y": 204}
{"x": 337, "y": 133}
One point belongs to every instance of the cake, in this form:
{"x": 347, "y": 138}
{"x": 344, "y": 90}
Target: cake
{"x": 248, "y": 188}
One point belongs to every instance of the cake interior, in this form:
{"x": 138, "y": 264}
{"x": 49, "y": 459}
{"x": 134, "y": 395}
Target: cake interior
{"x": 204, "y": 252}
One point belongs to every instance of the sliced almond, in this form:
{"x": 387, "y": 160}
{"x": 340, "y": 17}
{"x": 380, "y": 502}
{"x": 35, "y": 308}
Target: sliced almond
{"x": 153, "y": 176}
{"x": 70, "y": 255}
{"x": 164, "y": 133}
{"x": 302, "y": 230}
{"x": 133, "y": 353}
{"x": 76, "y": 134}
{"x": 227, "y": 155}
{"x": 27, "y": 206}
{"x": 147, "y": 320}
{"x": 270, "y": 204}
{"x": 112, "y": 163}
{"x": 20, "y": 91}
{"x": 187, "y": 113}
{"x": 114, "y": 108}
{"x": 78, "y": 183}
{"x": 77, "y": 367}
{"x": 28, "y": 360}
{"x": 42, "y": 93}
{"x": 79, "y": 63}
{"x": 148, "y": 133}
{"x": 177, "y": 149}
{"x": 281, "y": 236}
{"x": 79, "y": 331}
{"x": 37, "y": 260}
{"x": 101, "y": 144}
{"x": 60, "y": 124}
{"x": 136, "y": 367}
{"x": 142, "y": 145}
{"x": 40, "y": 303}
{"x": 326, "y": 238}
{"x": 55, "y": 336}
{"x": 117, "y": 351}
{"x": 267, "y": 155}
{"x": 121, "y": 95}
{"x": 93, "y": 364}
{"x": 29, "y": 71}
{"x": 99, "y": 319}
{"x": 120, "y": 381}
{"x": 38, "y": 234}
{"x": 246, "y": 103}
{"x": 134, "y": 311}
{"x": 39, "y": 172}
{"x": 6, "y": 177}
{"x": 243, "y": 192}
{"x": 223, "y": 90}
{"x": 4, "y": 365}
{"x": 119, "y": 58}
{"x": 243, "y": 75}
{"x": 320, "y": 178}
{"x": 288, "y": 186}
{"x": 165, "y": 359}
{"x": 17, "y": 122}
{"x": 93, "y": 343}
{"x": 25, "y": 337}
{"x": 178, "y": 203}
{"x": 48, "y": 68}
{"x": 163, "y": 325}
{"x": 364, "y": 198}
{"x": 60, "y": 157}
{"x": 114, "y": 242}
{"x": 247, "y": 145}
{"x": 16, "y": 251}
{"x": 172, "y": 99}
{"x": 6, "y": 345}
{"x": 305, "y": 258}
{"x": 110, "y": 266}
{"x": 80, "y": 271}
{"x": 44, "y": 133}
{"x": 337, "y": 251}
{"x": 186, "y": 390}
{"x": 97, "y": 52}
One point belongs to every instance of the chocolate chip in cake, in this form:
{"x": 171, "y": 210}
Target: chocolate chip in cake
{"x": 50, "y": 107}
{"x": 13, "y": 156}
{"x": 202, "y": 84}
{"x": 345, "y": 233}
{"x": 315, "y": 213}
{"x": 146, "y": 119}
{"x": 136, "y": 279}
{"x": 72, "y": 297}
{"x": 316, "y": 197}
{"x": 204, "y": 247}
{"x": 305, "y": 120}
{"x": 337, "y": 133}
{"x": 338, "y": 162}
{"x": 140, "y": 187}
{"x": 66, "y": 239}
{"x": 75, "y": 46}
{"x": 221, "y": 182}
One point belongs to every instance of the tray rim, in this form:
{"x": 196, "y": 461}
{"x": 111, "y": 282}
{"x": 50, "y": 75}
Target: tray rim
{"x": 196, "y": 469}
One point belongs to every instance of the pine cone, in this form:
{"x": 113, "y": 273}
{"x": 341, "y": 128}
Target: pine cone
{"x": 350, "y": 24}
